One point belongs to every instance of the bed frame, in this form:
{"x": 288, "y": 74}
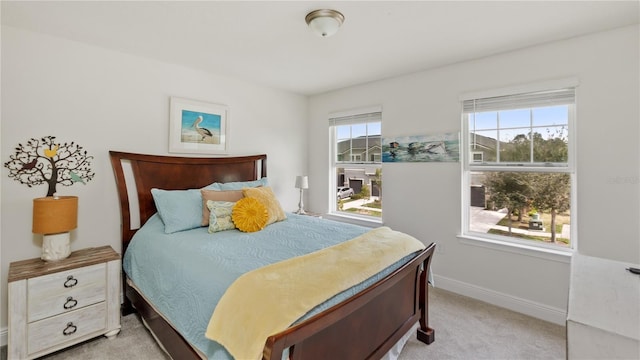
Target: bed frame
{"x": 372, "y": 321}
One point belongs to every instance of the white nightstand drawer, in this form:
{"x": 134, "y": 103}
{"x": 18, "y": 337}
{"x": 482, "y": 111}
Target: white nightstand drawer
{"x": 66, "y": 327}
{"x": 65, "y": 291}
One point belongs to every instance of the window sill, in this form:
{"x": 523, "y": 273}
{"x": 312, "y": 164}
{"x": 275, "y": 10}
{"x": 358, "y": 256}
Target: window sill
{"x": 355, "y": 220}
{"x": 560, "y": 255}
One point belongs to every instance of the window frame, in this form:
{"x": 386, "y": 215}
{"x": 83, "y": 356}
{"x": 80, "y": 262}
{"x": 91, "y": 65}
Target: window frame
{"x": 468, "y": 166}
{"x": 353, "y": 117}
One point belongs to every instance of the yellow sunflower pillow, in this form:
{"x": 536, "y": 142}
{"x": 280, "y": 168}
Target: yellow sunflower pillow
{"x": 265, "y": 195}
{"x": 249, "y": 215}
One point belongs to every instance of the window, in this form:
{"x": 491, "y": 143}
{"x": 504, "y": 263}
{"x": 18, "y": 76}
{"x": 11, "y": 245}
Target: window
{"x": 519, "y": 168}
{"x": 356, "y": 164}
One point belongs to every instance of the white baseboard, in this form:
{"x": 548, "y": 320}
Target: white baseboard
{"x": 523, "y": 306}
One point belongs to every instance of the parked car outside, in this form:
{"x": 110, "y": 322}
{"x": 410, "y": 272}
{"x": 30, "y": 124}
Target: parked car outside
{"x": 344, "y": 192}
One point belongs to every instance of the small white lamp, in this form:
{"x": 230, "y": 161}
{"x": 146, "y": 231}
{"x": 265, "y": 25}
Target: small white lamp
{"x": 54, "y": 216}
{"x": 302, "y": 182}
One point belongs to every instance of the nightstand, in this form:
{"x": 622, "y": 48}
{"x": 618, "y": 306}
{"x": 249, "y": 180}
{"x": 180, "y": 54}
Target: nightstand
{"x": 53, "y": 305}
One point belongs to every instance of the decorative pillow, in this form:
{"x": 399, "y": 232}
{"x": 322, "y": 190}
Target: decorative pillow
{"x": 220, "y": 215}
{"x": 179, "y": 209}
{"x": 239, "y": 185}
{"x": 214, "y": 195}
{"x": 249, "y": 215}
{"x": 266, "y": 196}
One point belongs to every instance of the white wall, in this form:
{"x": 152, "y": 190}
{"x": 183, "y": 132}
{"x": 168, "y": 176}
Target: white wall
{"x": 423, "y": 199}
{"x": 106, "y": 100}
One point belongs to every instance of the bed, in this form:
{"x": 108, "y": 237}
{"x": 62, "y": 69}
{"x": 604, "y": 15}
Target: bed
{"x": 400, "y": 292}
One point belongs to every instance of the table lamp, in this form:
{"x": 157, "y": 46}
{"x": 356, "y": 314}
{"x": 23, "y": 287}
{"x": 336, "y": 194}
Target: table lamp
{"x": 54, "y": 216}
{"x": 302, "y": 182}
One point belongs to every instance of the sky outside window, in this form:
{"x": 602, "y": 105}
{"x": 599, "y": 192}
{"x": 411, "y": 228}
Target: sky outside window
{"x": 521, "y": 121}
{"x": 353, "y": 131}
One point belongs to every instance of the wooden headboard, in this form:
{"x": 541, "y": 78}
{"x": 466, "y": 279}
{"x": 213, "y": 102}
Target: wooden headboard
{"x": 172, "y": 173}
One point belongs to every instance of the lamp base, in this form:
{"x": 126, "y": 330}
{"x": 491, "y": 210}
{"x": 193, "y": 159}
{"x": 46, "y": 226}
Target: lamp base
{"x": 300, "y": 205}
{"x": 55, "y": 247}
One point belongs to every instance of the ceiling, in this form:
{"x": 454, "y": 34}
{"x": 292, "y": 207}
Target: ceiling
{"x": 269, "y": 43}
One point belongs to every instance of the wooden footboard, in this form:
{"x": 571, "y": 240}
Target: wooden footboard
{"x": 370, "y": 322}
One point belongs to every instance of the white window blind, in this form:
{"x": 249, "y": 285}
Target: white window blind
{"x": 520, "y": 101}
{"x": 335, "y": 120}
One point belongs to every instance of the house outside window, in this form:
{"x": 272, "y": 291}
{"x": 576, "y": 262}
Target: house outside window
{"x": 356, "y": 164}
{"x": 518, "y": 169}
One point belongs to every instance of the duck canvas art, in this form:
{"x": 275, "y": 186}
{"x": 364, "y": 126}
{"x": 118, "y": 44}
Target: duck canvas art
{"x": 422, "y": 148}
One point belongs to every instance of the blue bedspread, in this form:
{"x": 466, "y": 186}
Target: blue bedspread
{"x": 184, "y": 274}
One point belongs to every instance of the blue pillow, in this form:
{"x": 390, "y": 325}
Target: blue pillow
{"x": 179, "y": 209}
{"x": 239, "y": 185}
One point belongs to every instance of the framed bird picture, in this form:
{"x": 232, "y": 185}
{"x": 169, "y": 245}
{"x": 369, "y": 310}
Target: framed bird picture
{"x": 198, "y": 127}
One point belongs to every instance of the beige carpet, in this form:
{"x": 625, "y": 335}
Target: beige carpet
{"x": 465, "y": 329}
{"x": 469, "y": 329}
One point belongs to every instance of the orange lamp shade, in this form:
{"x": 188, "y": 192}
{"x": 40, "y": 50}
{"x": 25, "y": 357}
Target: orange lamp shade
{"x": 53, "y": 215}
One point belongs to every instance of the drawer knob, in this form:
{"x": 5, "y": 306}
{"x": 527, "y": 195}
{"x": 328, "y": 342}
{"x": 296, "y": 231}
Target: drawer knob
{"x": 71, "y": 281}
{"x": 70, "y": 303}
{"x": 70, "y": 329}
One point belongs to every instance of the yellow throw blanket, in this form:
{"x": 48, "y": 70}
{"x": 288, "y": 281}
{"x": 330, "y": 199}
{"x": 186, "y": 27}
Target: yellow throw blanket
{"x": 268, "y": 300}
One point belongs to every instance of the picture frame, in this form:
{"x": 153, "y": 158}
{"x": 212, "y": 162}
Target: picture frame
{"x": 198, "y": 127}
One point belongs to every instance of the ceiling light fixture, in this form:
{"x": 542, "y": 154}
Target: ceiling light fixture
{"x": 324, "y": 22}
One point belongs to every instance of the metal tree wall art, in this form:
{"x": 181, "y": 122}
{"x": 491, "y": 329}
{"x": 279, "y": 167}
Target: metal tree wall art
{"x": 44, "y": 160}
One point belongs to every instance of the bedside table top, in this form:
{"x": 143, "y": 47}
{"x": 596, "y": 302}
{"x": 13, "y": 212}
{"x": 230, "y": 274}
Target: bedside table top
{"x": 311, "y": 213}
{"x": 25, "y": 269}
